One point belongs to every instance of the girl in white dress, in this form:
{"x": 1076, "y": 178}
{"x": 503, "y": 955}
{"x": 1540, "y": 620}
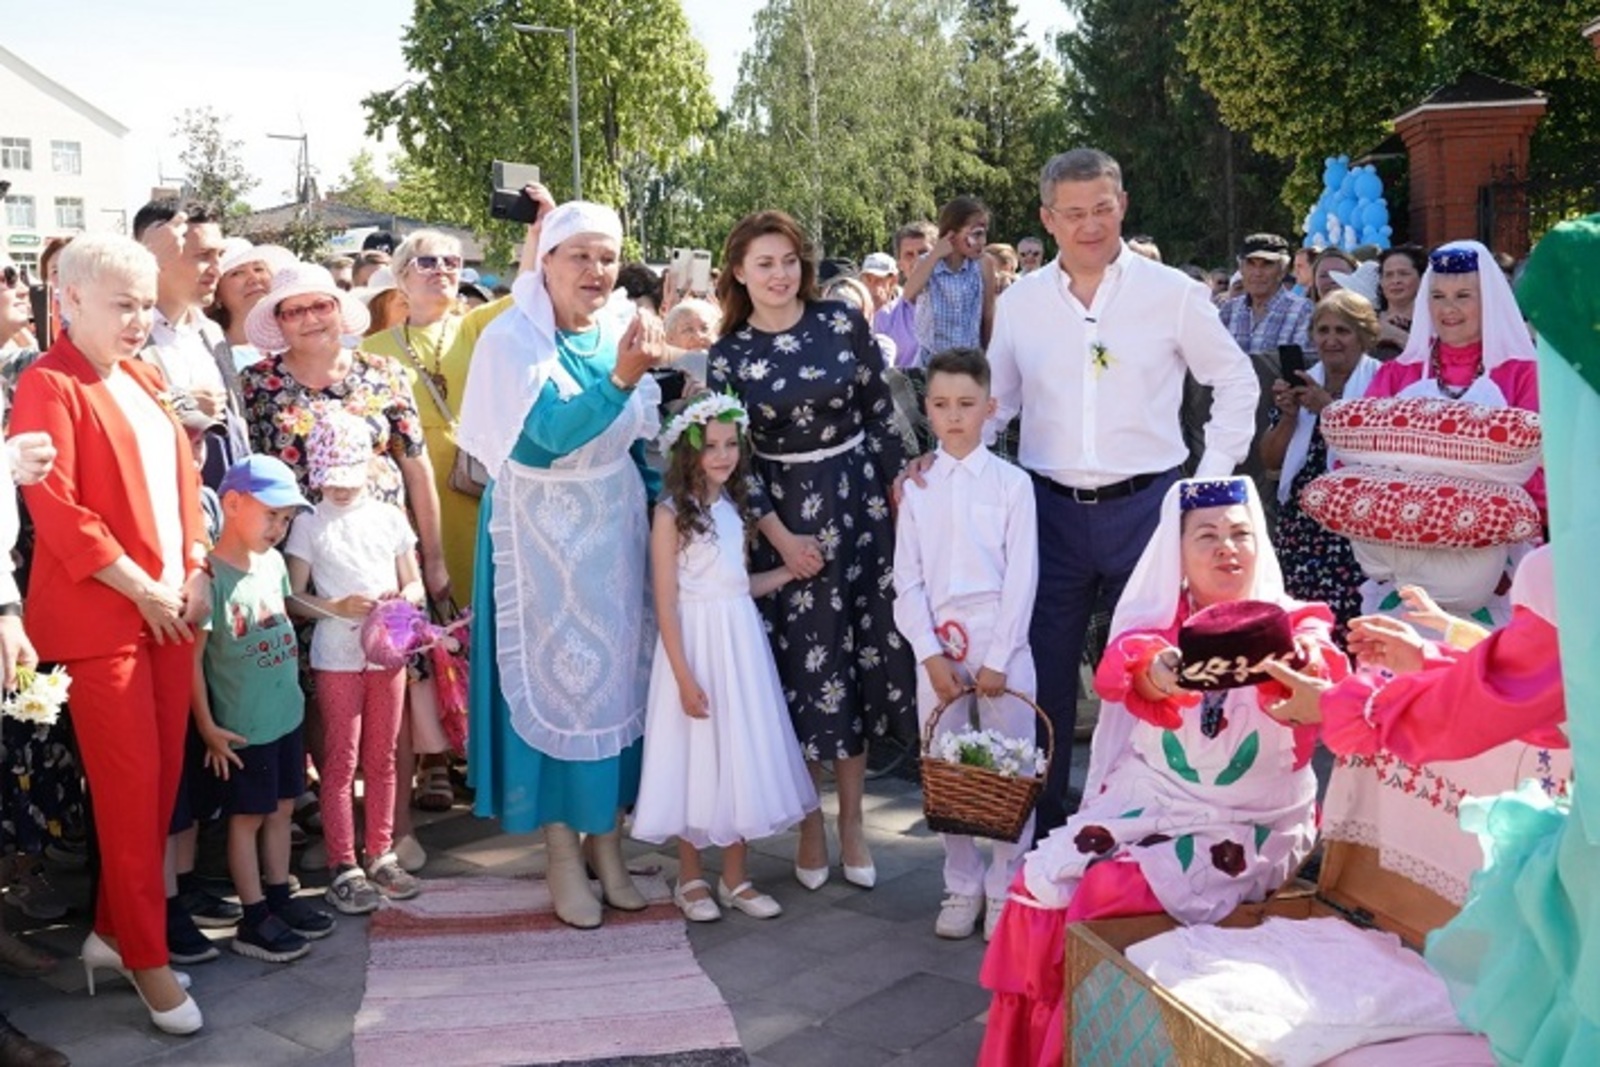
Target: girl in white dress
{"x": 721, "y": 762}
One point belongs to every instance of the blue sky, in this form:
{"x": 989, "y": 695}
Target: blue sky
{"x": 290, "y": 67}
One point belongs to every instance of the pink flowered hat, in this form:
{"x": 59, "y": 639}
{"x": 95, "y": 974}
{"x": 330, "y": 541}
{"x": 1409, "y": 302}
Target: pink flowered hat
{"x": 339, "y": 450}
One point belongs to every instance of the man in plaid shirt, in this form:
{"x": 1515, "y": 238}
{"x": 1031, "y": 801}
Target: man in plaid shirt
{"x": 1266, "y": 316}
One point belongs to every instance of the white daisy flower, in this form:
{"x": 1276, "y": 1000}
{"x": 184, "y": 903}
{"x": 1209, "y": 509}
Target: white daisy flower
{"x": 810, "y": 374}
{"x": 811, "y": 507}
{"x": 786, "y": 343}
{"x": 802, "y": 600}
{"x": 877, "y": 508}
{"x": 840, "y": 322}
{"x": 816, "y": 659}
{"x": 755, "y": 370}
{"x": 778, "y": 384}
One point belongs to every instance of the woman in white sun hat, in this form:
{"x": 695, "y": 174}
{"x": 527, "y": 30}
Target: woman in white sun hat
{"x": 245, "y": 276}
{"x": 305, "y": 321}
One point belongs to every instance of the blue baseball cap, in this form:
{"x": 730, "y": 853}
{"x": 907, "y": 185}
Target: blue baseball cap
{"x": 266, "y": 478}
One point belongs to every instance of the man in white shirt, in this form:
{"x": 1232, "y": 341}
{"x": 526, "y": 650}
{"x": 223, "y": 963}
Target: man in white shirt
{"x": 191, "y": 349}
{"x": 1091, "y": 350}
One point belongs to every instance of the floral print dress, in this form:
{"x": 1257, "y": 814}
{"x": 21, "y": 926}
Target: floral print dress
{"x": 825, "y": 456}
{"x": 280, "y": 412}
{"x": 1318, "y": 565}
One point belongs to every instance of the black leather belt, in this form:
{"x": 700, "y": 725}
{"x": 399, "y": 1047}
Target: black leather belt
{"x": 1114, "y": 491}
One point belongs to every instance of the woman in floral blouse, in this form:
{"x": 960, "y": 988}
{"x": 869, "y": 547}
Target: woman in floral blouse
{"x": 302, "y": 321}
{"x": 821, "y": 426}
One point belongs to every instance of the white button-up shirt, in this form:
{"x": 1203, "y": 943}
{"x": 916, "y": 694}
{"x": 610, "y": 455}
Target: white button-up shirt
{"x": 1099, "y": 388}
{"x": 183, "y": 352}
{"x": 968, "y": 535}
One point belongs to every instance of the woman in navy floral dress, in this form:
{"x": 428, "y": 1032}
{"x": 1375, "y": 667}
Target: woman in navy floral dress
{"x": 825, "y": 455}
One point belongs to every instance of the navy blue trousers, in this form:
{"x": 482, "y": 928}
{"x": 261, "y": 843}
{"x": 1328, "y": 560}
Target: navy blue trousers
{"x": 1086, "y": 554}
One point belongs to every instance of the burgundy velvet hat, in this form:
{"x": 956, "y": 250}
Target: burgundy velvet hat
{"x": 1223, "y": 646}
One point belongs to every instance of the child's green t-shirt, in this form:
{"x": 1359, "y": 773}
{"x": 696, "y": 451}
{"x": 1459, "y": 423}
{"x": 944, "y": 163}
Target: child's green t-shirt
{"x": 251, "y": 659}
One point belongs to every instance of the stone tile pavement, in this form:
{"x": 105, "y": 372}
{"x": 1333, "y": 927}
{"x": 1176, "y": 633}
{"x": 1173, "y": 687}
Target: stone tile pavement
{"x": 845, "y": 978}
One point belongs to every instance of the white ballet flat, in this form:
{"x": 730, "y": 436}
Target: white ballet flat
{"x": 760, "y": 906}
{"x": 701, "y": 910}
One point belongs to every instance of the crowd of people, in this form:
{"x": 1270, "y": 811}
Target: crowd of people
{"x": 714, "y": 543}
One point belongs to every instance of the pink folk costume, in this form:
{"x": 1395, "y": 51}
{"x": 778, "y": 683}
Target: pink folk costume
{"x": 1498, "y": 371}
{"x": 1192, "y": 805}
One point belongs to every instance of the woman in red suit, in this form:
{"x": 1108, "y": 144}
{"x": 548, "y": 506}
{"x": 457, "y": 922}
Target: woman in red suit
{"x": 118, "y": 582}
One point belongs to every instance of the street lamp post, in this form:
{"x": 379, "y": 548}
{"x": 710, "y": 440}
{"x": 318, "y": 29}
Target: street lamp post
{"x": 571, "y": 34}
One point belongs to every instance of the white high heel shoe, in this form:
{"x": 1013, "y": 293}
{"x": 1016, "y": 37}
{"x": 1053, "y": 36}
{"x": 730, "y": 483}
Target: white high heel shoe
{"x": 99, "y": 956}
{"x": 184, "y": 1019}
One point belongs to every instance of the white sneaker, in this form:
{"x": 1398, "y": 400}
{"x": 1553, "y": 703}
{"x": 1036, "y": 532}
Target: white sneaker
{"x": 991, "y": 916}
{"x": 958, "y": 916}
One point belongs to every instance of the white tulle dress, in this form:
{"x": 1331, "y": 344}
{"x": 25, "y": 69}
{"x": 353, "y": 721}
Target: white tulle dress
{"x": 736, "y": 775}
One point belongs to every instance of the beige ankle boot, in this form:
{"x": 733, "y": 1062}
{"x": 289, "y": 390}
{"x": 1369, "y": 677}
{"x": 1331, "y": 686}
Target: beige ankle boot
{"x": 575, "y": 902}
{"x": 604, "y": 851}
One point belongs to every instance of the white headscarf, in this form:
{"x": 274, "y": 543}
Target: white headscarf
{"x": 1505, "y": 335}
{"x": 511, "y": 362}
{"x": 1150, "y": 602}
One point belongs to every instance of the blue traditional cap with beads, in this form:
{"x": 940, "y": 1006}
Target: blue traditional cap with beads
{"x": 1212, "y": 493}
{"x": 1454, "y": 261}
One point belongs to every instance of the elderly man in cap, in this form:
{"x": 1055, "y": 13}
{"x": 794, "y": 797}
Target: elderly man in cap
{"x": 1263, "y": 317}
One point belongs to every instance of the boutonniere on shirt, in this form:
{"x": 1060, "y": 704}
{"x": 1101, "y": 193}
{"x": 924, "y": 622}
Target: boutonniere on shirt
{"x": 168, "y": 402}
{"x": 1100, "y": 355}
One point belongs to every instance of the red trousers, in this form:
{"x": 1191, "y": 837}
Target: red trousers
{"x": 361, "y": 719}
{"x": 130, "y": 712}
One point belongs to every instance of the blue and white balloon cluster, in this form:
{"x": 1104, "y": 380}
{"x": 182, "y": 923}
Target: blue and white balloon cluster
{"x": 1351, "y": 210}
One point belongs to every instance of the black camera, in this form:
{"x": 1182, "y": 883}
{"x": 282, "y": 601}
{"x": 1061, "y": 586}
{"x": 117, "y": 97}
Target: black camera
{"x": 507, "y": 200}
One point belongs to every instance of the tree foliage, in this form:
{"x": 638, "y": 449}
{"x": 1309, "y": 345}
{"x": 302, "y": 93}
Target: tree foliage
{"x": 484, "y": 91}
{"x": 362, "y": 185}
{"x": 1008, "y": 91}
{"x": 846, "y": 116}
{"x": 214, "y": 170}
{"x": 1305, "y": 81}
{"x": 1194, "y": 185}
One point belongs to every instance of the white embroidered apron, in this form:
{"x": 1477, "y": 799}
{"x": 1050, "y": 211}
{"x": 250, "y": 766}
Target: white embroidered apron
{"x": 573, "y": 623}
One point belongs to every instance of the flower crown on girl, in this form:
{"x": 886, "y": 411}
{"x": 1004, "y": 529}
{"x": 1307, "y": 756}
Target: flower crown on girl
{"x": 712, "y": 407}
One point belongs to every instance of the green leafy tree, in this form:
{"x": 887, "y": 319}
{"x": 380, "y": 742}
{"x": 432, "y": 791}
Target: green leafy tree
{"x": 484, "y": 91}
{"x": 845, "y": 116}
{"x": 214, "y": 170}
{"x": 362, "y": 185}
{"x": 1008, "y": 91}
{"x": 1305, "y": 82}
{"x": 1194, "y": 185}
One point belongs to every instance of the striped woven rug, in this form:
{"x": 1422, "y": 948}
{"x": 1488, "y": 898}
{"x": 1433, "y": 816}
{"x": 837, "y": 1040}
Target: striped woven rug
{"x": 478, "y": 972}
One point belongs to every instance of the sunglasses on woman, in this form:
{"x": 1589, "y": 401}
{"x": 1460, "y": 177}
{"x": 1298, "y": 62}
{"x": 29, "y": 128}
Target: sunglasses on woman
{"x": 434, "y": 264}
{"x": 13, "y": 276}
{"x": 320, "y": 308}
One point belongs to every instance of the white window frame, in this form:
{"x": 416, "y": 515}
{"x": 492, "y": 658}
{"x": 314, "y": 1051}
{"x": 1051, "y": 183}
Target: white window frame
{"x": 16, "y": 153}
{"x": 15, "y": 220}
{"x": 70, "y": 150}
{"x": 73, "y": 204}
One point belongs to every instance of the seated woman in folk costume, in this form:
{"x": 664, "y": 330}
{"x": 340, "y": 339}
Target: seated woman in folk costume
{"x": 1194, "y": 803}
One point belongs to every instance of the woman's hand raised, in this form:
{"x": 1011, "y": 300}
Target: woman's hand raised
{"x": 643, "y": 346}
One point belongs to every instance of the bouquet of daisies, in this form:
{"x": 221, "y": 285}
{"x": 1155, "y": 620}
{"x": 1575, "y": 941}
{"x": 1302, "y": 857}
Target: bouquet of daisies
{"x": 38, "y": 697}
{"x": 992, "y": 750}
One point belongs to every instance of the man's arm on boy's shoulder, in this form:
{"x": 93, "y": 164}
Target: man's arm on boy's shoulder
{"x": 1021, "y": 580}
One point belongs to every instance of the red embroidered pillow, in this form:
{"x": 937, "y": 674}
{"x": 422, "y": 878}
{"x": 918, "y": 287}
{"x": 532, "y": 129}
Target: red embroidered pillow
{"x": 1420, "y": 510}
{"x": 1435, "y": 436}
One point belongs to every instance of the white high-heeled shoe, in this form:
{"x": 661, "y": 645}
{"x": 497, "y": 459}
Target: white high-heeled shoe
{"x": 99, "y": 956}
{"x": 812, "y": 878}
{"x": 182, "y": 1020}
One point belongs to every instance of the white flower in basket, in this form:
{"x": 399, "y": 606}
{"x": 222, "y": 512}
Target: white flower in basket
{"x": 1011, "y": 757}
{"x": 38, "y": 697}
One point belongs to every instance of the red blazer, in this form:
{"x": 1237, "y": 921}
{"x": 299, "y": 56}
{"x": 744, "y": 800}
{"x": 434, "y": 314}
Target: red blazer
{"x": 94, "y": 507}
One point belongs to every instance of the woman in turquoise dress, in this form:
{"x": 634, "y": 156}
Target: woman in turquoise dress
{"x": 1522, "y": 960}
{"x": 557, "y": 407}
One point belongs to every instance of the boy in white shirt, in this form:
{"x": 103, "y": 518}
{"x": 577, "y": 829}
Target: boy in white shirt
{"x": 966, "y": 564}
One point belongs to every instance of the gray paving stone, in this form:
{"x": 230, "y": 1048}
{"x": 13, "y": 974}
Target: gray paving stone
{"x": 762, "y": 1022}
{"x": 749, "y": 965}
{"x": 817, "y": 1045}
{"x": 955, "y": 1048}
{"x": 236, "y": 1046}
{"x": 911, "y": 1012}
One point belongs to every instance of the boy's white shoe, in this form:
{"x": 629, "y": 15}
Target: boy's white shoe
{"x": 958, "y": 916}
{"x": 991, "y": 916}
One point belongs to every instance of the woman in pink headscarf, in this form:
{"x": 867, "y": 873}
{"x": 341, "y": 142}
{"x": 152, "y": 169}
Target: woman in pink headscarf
{"x": 1472, "y": 345}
